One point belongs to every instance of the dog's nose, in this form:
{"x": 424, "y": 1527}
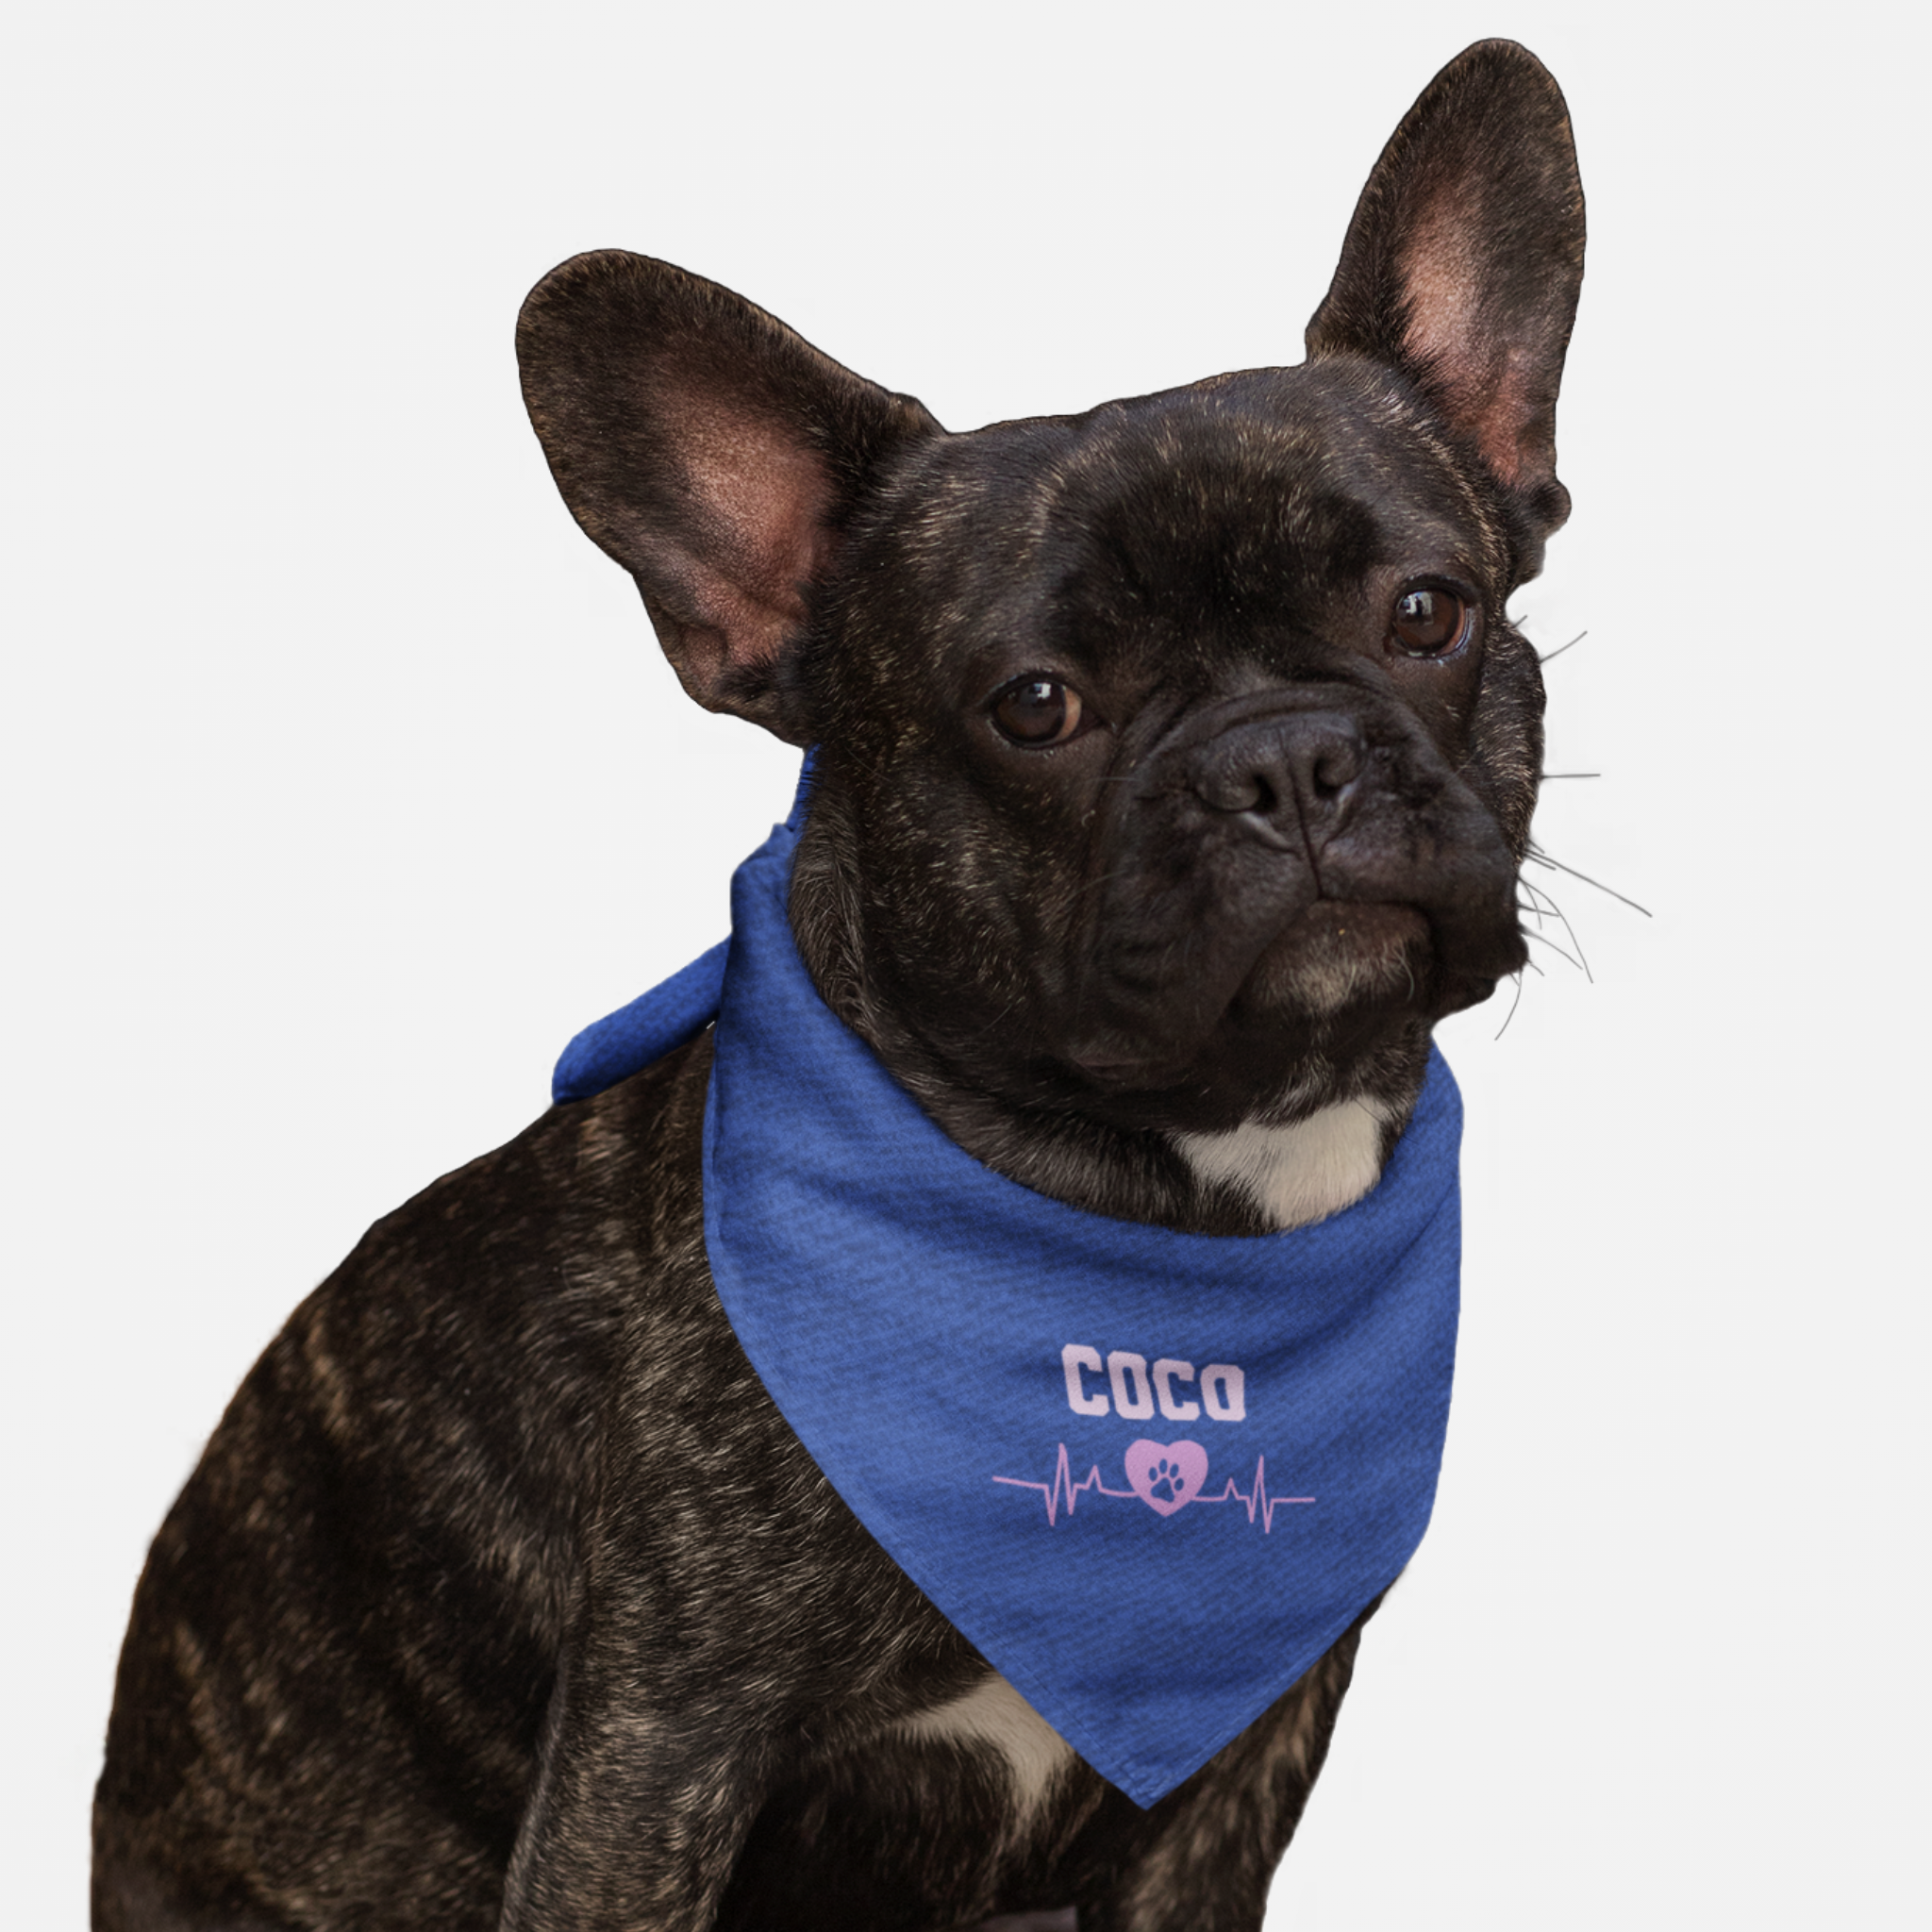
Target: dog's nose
{"x": 1292, "y": 777}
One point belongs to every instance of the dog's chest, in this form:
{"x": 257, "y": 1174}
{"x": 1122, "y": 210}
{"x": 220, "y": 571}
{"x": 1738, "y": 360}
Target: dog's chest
{"x": 1298, "y": 1174}
{"x": 993, "y": 1718}
{"x": 962, "y": 1813}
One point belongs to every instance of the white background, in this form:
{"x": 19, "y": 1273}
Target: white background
{"x": 343, "y": 782}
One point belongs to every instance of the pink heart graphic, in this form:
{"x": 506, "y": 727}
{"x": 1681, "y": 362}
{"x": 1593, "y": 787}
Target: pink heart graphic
{"x": 1166, "y": 1476}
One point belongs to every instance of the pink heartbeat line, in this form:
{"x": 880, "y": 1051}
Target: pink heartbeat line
{"x": 1255, "y": 1501}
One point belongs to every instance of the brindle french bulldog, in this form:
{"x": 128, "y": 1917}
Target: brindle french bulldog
{"x": 1176, "y": 762}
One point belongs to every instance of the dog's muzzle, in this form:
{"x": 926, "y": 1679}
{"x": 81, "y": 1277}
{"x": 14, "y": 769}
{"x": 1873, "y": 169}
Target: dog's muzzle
{"x": 1282, "y": 858}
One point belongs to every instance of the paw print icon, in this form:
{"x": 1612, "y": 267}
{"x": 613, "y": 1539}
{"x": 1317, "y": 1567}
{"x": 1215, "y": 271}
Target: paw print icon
{"x": 1166, "y": 1476}
{"x": 1165, "y": 1479}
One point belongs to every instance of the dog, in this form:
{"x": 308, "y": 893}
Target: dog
{"x": 1174, "y": 763}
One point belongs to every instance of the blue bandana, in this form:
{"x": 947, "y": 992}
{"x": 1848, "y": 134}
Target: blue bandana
{"x": 1152, "y": 1476}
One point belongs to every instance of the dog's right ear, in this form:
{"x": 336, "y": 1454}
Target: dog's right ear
{"x": 713, "y": 453}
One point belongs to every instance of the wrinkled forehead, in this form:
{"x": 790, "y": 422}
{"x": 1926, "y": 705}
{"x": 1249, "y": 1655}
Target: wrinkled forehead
{"x": 1256, "y": 494}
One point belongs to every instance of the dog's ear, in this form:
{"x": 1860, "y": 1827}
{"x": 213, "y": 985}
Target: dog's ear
{"x": 1462, "y": 264}
{"x": 713, "y": 453}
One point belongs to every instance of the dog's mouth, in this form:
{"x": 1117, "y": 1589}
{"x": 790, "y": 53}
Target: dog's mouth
{"x": 1335, "y": 969}
{"x": 1336, "y": 954}
{"x": 1333, "y": 978}
{"x": 1353, "y": 960}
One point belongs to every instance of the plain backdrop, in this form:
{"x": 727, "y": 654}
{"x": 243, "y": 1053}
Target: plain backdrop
{"x": 342, "y": 782}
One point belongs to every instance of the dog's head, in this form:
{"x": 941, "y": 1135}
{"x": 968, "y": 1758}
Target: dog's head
{"x": 1175, "y": 758}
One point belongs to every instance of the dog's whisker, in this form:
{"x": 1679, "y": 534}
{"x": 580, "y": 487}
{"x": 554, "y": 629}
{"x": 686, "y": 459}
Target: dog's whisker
{"x": 1542, "y": 858}
{"x": 1550, "y": 657}
{"x": 1513, "y": 1005}
{"x": 1546, "y": 776}
{"x": 1582, "y": 957}
{"x": 1543, "y": 939}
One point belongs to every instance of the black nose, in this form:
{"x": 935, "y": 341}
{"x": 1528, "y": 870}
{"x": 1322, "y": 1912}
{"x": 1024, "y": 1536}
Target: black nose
{"x": 1291, "y": 776}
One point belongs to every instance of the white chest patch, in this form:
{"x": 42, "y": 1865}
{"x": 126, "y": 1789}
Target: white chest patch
{"x": 995, "y": 1713}
{"x": 1297, "y": 1173}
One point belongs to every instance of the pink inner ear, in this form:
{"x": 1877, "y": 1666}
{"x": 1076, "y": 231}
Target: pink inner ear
{"x": 1481, "y": 377}
{"x": 760, "y": 498}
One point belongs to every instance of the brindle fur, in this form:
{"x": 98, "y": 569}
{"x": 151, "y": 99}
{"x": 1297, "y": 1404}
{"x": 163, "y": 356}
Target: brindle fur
{"x": 502, "y": 1595}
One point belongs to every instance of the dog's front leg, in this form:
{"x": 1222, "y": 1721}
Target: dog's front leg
{"x": 707, "y": 1649}
{"x": 1206, "y": 1852}
{"x": 638, "y": 1811}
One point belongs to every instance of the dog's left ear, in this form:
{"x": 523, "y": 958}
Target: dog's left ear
{"x": 1462, "y": 264}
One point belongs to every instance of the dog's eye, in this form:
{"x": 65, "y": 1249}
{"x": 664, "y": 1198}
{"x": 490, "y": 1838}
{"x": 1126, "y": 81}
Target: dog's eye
{"x": 1429, "y": 623}
{"x": 1037, "y": 711}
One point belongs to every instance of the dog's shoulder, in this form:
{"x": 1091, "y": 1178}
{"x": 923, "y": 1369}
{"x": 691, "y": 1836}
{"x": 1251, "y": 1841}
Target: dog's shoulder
{"x": 538, "y": 1250}
{"x": 456, "y": 1370}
